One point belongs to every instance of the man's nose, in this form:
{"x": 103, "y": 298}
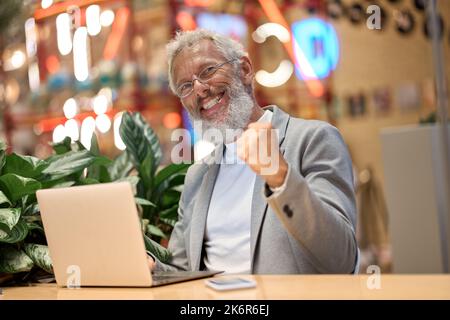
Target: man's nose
{"x": 200, "y": 89}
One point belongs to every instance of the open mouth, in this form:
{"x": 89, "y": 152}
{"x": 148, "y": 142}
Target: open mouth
{"x": 213, "y": 102}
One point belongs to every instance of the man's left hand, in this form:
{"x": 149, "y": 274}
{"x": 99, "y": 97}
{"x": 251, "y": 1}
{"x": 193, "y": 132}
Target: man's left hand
{"x": 258, "y": 147}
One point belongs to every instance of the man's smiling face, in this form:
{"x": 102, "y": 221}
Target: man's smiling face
{"x": 208, "y": 101}
{"x": 223, "y": 102}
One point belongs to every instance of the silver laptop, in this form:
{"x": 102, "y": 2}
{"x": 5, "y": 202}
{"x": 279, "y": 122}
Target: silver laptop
{"x": 95, "y": 238}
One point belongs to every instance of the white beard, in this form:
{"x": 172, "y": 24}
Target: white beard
{"x": 230, "y": 127}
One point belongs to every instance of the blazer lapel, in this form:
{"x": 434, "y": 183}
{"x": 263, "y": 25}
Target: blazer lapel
{"x": 201, "y": 206}
{"x": 280, "y": 121}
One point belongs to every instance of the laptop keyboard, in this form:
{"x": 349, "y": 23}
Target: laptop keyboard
{"x": 179, "y": 276}
{"x": 162, "y": 277}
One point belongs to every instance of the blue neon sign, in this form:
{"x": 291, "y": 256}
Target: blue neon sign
{"x": 318, "y": 41}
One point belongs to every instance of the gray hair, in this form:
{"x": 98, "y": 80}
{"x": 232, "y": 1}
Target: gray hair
{"x": 229, "y": 48}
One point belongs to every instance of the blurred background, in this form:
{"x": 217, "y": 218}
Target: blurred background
{"x": 70, "y": 68}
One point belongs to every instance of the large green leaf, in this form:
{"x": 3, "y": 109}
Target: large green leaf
{"x": 170, "y": 170}
{"x": 167, "y": 184}
{"x": 95, "y": 149}
{"x": 171, "y": 213}
{"x": 9, "y": 218}
{"x": 155, "y": 231}
{"x": 161, "y": 253}
{"x": 121, "y": 166}
{"x": 17, "y": 234}
{"x": 16, "y": 186}
{"x": 4, "y": 199}
{"x": 170, "y": 198}
{"x": 143, "y": 202}
{"x": 31, "y": 209}
{"x": 102, "y": 161}
{"x": 2, "y": 155}
{"x": 34, "y": 226}
{"x": 13, "y": 260}
{"x": 140, "y": 139}
{"x": 63, "y": 146}
{"x": 28, "y": 200}
{"x": 25, "y": 166}
{"x": 145, "y": 173}
{"x": 40, "y": 256}
{"x": 98, "y": 171}
{"x": 69, "y": 163}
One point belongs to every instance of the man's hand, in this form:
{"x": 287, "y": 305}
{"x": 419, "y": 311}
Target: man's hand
{"x": 151, "y": 263}
{"x": 258, "y": 147}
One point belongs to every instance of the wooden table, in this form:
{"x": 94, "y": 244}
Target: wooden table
{"x": 268, "y": 287}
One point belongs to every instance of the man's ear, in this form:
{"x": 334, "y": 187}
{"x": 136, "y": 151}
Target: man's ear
{"x": 247, "y": 73}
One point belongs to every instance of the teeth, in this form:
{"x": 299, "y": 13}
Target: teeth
{"x": 211, "y": 103}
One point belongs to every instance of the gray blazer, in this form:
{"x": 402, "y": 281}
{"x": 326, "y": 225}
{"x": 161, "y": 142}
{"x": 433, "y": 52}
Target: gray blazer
{"x": 307, "y": 228}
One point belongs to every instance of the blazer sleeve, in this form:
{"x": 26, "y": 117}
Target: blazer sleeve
{"x": 317, "y": 203}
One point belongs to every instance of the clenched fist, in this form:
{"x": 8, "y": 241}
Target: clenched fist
{"x": 258, "y": 147}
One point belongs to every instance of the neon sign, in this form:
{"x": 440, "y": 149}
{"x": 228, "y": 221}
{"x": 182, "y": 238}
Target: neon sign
{"x": 319, "y": 43}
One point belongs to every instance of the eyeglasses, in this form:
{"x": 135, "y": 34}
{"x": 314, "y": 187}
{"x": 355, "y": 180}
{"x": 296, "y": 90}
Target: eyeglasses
{"x": 186, "y": 88}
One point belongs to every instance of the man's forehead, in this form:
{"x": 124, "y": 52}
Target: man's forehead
{"x": 199, "y": 51}
{"x": 203, "y": 46}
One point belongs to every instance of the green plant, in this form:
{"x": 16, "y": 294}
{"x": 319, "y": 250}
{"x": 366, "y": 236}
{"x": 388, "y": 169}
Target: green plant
{"x": 22, "y": 238}
{"x": 23, "y": 251}
{"x": 162, "y": 188}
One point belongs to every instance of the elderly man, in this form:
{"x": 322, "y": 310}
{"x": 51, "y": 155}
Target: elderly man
{"x": 235, "y": 216}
